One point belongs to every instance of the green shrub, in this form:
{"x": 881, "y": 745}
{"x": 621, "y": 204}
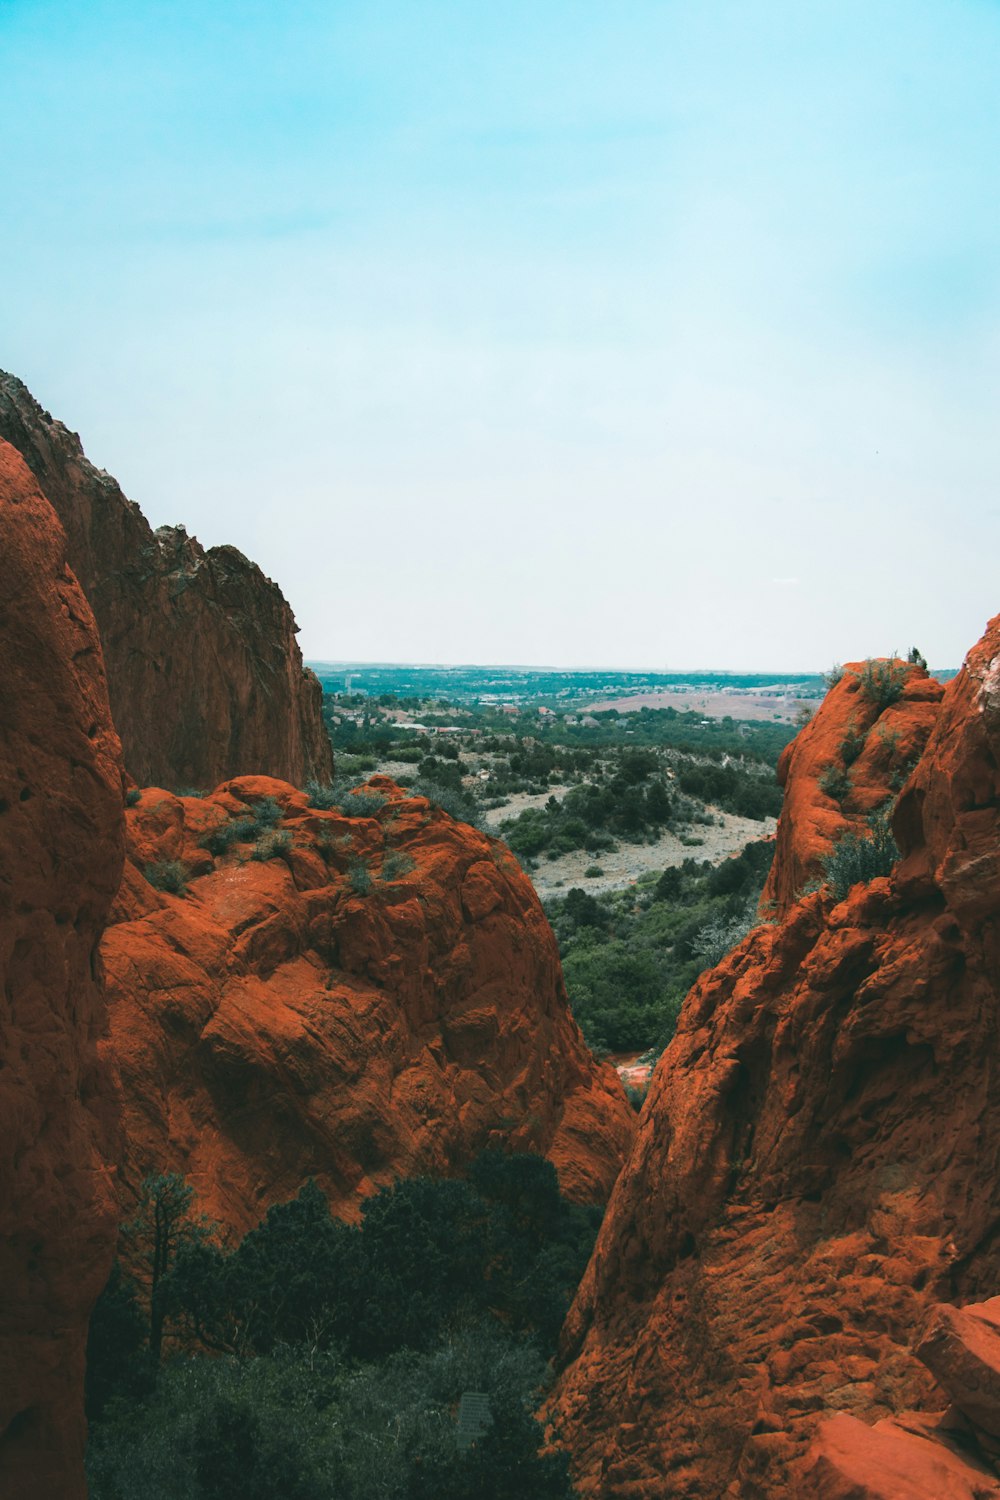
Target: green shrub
{"x": 901, "y": 774}
{"x": 834, "y": 675}
{"x": 272, "y": 846}
{"x": 246, "y": 829}
{"x": 592, "y": 872}
{"x": 359, "y": 877}
{"x": 883, "y": 680}
{"x": 636, "y": 1095}
{"x": 856, "y": 858}
{"x": 457, "y": 804}
{"x": 322, "y": 795}
{"x": 852, "y": 745}
{"x": 236, "y": 831}
{"x": 168, "y": 875}
{"x": 721, "y": 935}
{"x": 132, "y": 796}
{"x": 364, "y": 803}
{"x": 835, "y": 782}
{"x": 397, "y": 864}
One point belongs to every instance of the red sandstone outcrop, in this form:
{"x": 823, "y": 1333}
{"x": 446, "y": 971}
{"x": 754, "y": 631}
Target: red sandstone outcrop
{"x": 204, "y": 672}
{"x": 382, "y": 997}
{"x": 949, "y": 1455}
{"x": 818, "y": 1160}
{"x": 874, "y": 748}
{"x": 61, "y": 850}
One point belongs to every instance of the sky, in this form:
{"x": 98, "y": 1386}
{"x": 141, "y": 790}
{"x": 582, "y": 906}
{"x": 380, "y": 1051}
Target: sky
{"x": 661, "y": 334}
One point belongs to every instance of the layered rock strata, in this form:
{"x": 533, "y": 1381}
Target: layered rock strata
{"x": 204, "y": 672}
{"x": 817, "y": 1161}
{"x": 348, "y": 998}
{"x": 61, "y": 852}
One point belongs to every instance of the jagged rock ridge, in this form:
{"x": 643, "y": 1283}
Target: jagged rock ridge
{"x": 61, "y": 852}
{"x": 204, "y": 672}
{"x": 819, "y": 1158}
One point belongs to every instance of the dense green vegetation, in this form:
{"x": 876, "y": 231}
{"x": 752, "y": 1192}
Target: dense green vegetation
{"x": 323, "y": 1361}
{"x": 629, "y": 957}
{"x": 861, "y": 857}
{"x": 637, "y": 799}
{"x": 414, "y": 686}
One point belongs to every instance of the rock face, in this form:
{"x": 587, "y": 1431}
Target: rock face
{"x": 61, "y": 851}
{"x": 873, "y": 750}
{"x": 951, "y": 1454}
{"x": 818, "y": 1161}
{"x": 204, "y": 673}
{"x": 381, "y": 997}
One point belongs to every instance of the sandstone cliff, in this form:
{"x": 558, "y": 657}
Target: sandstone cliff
{"x": 204, "y": 672}
{"x": 817, "y": 1161}
{"x": 378, "y": 996}
{"x": 61, "y": 849}
{"x": 872, "y": 765}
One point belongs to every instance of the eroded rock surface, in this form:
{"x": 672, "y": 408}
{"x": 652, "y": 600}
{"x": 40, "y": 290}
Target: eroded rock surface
{"x": 817, "y": 1161}
{"x": 61, "y": 851}
{"x": 954, "y": 1453}
{"x": 381, "y": 997}
{"x": 874, "y": 750}
{"x": 204, "y": 672}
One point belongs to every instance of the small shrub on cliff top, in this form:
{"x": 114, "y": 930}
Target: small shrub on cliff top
{"x": 324, "y": 796}
{"x": 245, "y": 829}
{"x": 132, "y": 796}
{"x": 455, "y": 803}
{"x": 272, "y": 846}
{"x": 266, "y": 813}
{"x": 882, "y": 681}
{"x": 364, "y": 802}
{"x": 834, "y": 675}
{"x": 168, "y": 875}
{"x": 857, "y": 859}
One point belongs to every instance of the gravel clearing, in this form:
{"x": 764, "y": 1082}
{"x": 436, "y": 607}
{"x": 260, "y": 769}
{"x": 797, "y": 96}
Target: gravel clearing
{"x": 623, "y": 866}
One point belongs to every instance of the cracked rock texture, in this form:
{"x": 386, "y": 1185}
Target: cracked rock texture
{"x": 818, "y": 1161}
{"x": 380, "y": 997}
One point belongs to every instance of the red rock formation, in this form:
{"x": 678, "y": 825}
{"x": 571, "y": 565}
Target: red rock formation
{"x": 818, "y": 1158}
{"x": 204, "y": 672}
{"x": 61, "y": 849}
{"x": 876, "y": 748}
{"x": 281, "y": 1021}
{"x": 952, "y": 1454}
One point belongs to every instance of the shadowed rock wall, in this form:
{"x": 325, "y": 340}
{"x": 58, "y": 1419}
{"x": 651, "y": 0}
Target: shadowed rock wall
{"x": 61, "y": 851}
{"x": 204, "y": 672}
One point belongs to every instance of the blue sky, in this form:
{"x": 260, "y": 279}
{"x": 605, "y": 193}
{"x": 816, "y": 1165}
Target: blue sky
{"x": 643, "y": 334}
